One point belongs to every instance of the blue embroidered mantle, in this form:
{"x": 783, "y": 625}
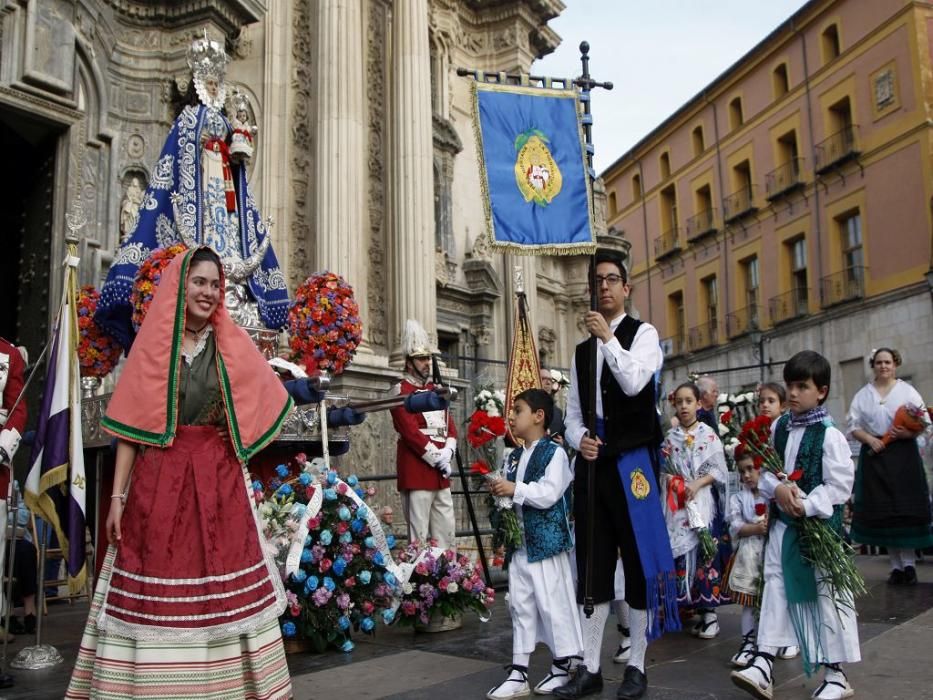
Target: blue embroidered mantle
{"x": 547, "y": 532}
{"x": 179, "y": 170}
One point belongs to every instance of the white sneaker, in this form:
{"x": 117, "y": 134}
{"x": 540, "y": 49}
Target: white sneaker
{"x": 708, "y": 628}
{"x": 835, "y": 685}
{"x": 790, "y": 652}
{"x": 746, "y": 652}
{"x": 557, "y": 678}
{"x": 515, "y": 686}
{"x": 624, "y": 651}
{"x": 756, "y": 678}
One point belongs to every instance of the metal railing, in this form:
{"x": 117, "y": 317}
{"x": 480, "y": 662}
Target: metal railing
{"x": 673, "y": 345}
{"x": 784, "y": 178}
{"x": 742, "y": 321}
{"x": 738, "y": 204}
{"x": 838, "y": 148}
{"x": 703, "y": 336}
{"x": 845, "y": 285}
{"x": 701, "y": 224}
{"x": 789, "y": 305}
{"x": 667, "y": 243}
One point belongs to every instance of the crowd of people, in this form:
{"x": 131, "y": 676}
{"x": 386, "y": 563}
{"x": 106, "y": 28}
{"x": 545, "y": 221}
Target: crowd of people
{"x": 657, "y": 536}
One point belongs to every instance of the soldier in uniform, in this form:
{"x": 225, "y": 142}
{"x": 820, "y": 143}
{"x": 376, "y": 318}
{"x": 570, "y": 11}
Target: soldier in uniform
{"x": 426, "y": 446}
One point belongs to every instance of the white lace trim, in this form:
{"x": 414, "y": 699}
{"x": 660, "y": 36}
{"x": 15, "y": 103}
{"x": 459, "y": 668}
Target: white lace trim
{"x": 199, "y": 347}
{"x": 193, "y": 598}
{"x": 191, "y": 618}
{"x": 188, "y": 581}
{"x": 157, "y": 633}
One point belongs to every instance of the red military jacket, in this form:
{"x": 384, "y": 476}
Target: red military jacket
{"x": 12, "y": 378}
{"x": 421, "y": 436}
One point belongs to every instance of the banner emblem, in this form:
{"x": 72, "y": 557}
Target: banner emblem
{"x": 536, "y": 171}
{"x": 640, "y": 485}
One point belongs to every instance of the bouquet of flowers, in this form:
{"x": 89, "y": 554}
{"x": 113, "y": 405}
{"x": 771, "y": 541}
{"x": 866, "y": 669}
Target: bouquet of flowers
{"x": 98, "y": 352}
{"x": 822, "y": 547}
{"x": 907, "y": 416}
{"x": 333, "y": 555}
{"x": 440, "y": 583}
{"x": 147, "y": 280}
{"x": 507, "y": 533}
{"x": 676, "y": 499}
{"x": 324, "y": 323}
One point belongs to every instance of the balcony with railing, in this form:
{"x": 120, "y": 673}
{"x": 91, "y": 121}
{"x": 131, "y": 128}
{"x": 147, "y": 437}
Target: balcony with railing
{"x": 790, "y": 305}
{"x": 842, "y": 286}
{"x": 739, "y": 204}
{"x": 837, "y": 149}
{"x": 784, "y": 179}
{"x": 667, "y": 244}
{"x": 673, "y": 345}
{"x": 701, "y": 224}
{"x": 703, "y": 336}
{"x": 742, "y": 321}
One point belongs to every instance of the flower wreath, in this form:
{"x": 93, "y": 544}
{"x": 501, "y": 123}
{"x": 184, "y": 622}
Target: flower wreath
{"x": 324, "y": 323}
{"x": 147, "y": 280}
{"x": 98, "y": 351}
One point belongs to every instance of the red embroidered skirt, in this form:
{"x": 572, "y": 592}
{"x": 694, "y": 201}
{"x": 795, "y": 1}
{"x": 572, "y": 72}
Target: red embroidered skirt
{"x": 190, "y": 564}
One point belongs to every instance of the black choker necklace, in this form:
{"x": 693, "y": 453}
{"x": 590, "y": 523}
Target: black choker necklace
{"x": 687, "y": 427}
{"x": 196, "y": 332}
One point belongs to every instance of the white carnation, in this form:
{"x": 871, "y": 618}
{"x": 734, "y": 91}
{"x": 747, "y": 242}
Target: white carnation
{"x": 452, "y": 588}
{"x": 407, "y": 588}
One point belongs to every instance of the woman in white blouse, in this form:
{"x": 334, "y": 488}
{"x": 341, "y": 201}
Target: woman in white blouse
{"x": 892, "y": 501}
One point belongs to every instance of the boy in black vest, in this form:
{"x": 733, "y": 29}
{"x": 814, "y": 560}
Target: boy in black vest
{"x": 541, "y": 591}
{"x": 796, "y": 608}
{"x": 626, "y": 513}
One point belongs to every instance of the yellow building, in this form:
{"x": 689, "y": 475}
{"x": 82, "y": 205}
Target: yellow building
{"x": 788, "y": 204}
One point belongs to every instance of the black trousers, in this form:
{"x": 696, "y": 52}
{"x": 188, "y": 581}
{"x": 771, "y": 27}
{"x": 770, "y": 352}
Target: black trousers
{"x": 612, "y": 535}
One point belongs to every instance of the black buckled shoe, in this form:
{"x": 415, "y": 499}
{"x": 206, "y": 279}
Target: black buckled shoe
{"x": 582, "y": 684}
{"x": 634, "y": 684}
{"x": 910, "y": 576}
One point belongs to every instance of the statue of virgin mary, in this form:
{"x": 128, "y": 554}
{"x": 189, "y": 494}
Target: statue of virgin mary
{"x": 199, "y": 195}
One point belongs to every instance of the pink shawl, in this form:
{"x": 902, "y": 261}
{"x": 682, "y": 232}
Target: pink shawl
{"x": 144, "y": 406}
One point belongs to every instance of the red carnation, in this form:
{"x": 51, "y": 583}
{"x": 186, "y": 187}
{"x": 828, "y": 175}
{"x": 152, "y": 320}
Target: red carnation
{"x": 760, "y": 509}
{"x": 759, "y": 461}
{"x": 480, "y": 468}
{"x": 796, "y": 475}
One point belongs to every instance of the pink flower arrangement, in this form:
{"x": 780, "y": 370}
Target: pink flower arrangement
{"x": 98, "y": 352}
{"x": 324, "y": 323}
{"x": 442, "y": 583}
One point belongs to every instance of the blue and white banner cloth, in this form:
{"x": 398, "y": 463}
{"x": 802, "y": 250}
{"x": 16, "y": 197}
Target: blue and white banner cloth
{"x": 533, "y": 171}
{"x": 56, "y": 486}
{"x": 193, "y": 144}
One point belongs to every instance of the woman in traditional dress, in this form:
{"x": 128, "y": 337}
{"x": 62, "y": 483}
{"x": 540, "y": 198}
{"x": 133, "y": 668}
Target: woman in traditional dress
{"x": 187, "y": 603}
{"x": 892, "y": 501}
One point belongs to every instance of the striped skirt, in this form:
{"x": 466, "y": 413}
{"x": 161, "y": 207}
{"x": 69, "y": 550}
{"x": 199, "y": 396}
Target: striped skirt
{"x": 187, "y": 605}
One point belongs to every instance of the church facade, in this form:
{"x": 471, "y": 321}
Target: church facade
{"x": 365, "y": 159}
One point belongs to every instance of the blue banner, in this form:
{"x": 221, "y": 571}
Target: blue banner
{"x": 533, "y": 172}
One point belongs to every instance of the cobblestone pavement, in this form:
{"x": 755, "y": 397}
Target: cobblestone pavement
{"x": 895, "y": 628}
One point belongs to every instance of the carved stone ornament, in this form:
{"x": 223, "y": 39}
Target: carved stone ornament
{"x": 884, "y": 88}
{"x": 440, "y": 268}
{"x": 481, "y": 249}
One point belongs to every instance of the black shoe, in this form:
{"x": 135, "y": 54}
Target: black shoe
{"x": 910, "y": 576}
{"x": 6, "y": 680}
{"x": 29, "y": 624}
{"x": 584, "y": 683}
{"x": 896, "y": 578}
{"x": 16, "y": 626}
{"x": 634, "y": 684}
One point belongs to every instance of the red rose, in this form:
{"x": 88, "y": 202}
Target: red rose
{"x": 325, "y": 565}
{"x": 760, "y": 509}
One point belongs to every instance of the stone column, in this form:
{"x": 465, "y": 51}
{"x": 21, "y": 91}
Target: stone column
{"x": 339, "y": 124}
{"x": 411, "y": 237}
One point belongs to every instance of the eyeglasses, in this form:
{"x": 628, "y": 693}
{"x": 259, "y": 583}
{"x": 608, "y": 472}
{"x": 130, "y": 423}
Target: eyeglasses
{"x": 611, "y": 280}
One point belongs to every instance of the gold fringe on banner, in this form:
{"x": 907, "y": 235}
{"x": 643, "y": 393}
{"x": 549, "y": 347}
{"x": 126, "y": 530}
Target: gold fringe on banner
{"x": 524, "y": 370}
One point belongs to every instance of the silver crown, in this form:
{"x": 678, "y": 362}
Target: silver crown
{"x": 207, "y": 58}
{"x": 239, "y": 101}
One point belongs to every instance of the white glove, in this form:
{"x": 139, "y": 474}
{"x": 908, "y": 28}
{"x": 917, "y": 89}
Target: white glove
{"x": 446, "y": 455}
{"x": 444, "y": 469}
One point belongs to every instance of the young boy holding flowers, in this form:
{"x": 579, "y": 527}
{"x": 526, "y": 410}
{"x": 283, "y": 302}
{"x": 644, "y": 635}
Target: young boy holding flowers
{"x": 797, "y": 607}
{"x": 542, "y": 597}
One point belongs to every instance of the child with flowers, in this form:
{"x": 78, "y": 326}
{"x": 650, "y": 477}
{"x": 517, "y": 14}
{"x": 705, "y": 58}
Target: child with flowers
{"x": 748, "y": 524}
{"x": 542, "y": 597}
{"x": 799, "y": 606}
{"x": 695, "y": 463}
